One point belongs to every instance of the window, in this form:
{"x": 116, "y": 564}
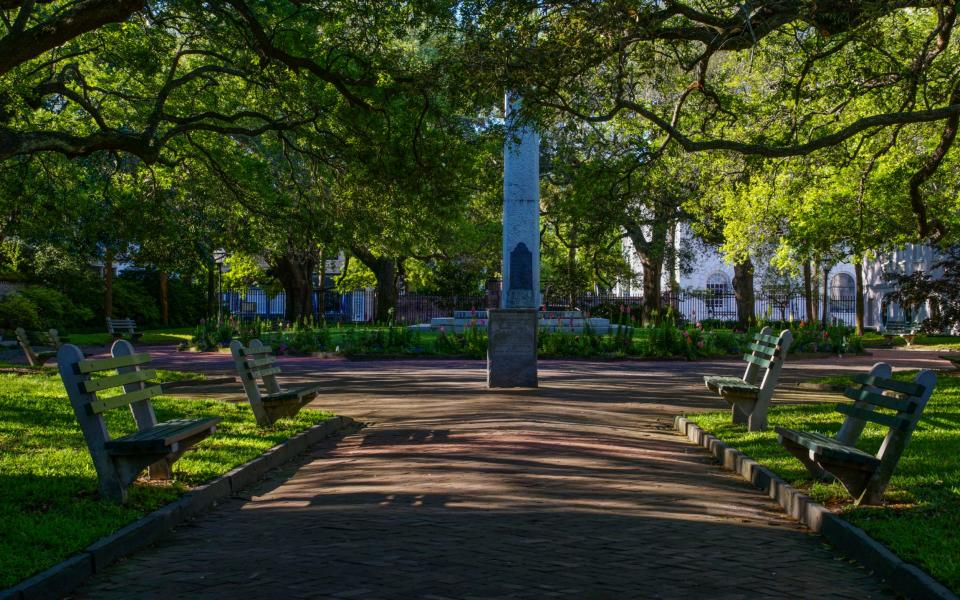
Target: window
{"x": 719, "y": 302}
{"x": 718, "y": 283}
{"x": 842, "y": 287}
{"x": 842, "y": 293}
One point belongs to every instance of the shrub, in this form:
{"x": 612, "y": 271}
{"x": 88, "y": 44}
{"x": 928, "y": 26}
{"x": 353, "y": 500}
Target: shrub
{"x": 131, "y": 300}
{"x": 56, "y": 309}
{"x": 19, "y": 311}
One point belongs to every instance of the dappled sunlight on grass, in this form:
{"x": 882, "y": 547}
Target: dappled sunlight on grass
{"x": 49, "y": 504}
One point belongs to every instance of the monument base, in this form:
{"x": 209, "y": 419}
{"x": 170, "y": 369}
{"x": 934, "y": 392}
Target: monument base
{"x": 512, "y": 348}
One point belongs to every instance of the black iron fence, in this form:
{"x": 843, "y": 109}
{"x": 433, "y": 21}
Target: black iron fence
{"x": 360, "y": 306}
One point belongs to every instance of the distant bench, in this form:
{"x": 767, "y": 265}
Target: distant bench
{"x": 120, "y": 327}
{"x": 119, "y": 461}
{"x": 257, "y": 362}
{"x": 35, "y": 358}
{"x": 750, "y": 395}
{"x": 904, "y": 329}
{"x": 865, "y": 476}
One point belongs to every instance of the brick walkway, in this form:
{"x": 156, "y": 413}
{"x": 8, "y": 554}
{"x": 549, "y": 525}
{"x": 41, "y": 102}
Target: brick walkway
{"x": 577, "y": 490}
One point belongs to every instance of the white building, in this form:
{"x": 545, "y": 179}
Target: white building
{"x": 709, "y": 281}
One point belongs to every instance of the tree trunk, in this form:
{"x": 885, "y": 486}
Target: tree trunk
{"x": 386, "y": 272}
{"x": 322, "y": 296}
{"x": 811, "y": 314}
{"x": 671, "y": 259}
{"x": 164, "y": 298}
{"x": 744, "y": 292}
{"x": 652, "y": 296}
{"x": 108, "y": 283}
{"x": 859, "y": 303}
{"x": 826, "y": 296}
{"x": 651, "y": 254}
{"x": 294, "y": 271}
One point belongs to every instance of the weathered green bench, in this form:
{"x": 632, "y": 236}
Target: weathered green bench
{"x": 119, "y": 461}
{"x": 257, "y": 362}
{"x": 865, "y": 476}
{"x": 35, "y": 358}
{"x": 121, "y": 327}
{"x": 749, "y": 396}
{"x": 904, "y": 329}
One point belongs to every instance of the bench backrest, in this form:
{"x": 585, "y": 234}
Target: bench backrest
{"x": 906, "y": 400}
{"x": 853, "y": 426}
{"x": 54, "y": 336}
{"x": 76, "y": 373}
{"x": 765, "y": 359}
{"x": 24, "y": 340}
{"x": 120, "y": 324}
{"x": 254, "y": 362}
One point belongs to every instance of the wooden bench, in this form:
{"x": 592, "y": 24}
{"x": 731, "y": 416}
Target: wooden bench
{"x": 904, "y": 329}
{"x": 257, "y": 362}
{"x": 120, "y": 327}
{"x": 119, "y": 461}
{"x": 749, "y": 396}
{"x": 865, "y": 476}
{"x": 35, "y": 358}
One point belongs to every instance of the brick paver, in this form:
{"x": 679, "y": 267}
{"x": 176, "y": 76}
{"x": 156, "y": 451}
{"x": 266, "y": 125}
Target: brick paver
{"x": 579, "y": 489}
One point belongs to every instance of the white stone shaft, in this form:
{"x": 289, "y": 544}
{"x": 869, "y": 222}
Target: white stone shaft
{"x": 521, "y": 204}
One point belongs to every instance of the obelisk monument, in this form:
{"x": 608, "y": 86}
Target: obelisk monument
{"x": 512, "y": 350}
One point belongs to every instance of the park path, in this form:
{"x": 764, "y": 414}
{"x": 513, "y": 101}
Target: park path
{"x": 579, "y": 489}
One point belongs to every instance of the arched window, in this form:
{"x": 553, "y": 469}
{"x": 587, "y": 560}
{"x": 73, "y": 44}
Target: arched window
{"x": 718, "y": 283}
{"x": 842, "y": 287}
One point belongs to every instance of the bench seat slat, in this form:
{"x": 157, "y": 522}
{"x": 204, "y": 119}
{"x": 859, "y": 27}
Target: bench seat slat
{"x": 876, "y": 399}
{"x": 111, "y": 381}
{"x": 159, "y": 438}
{"x": 109, "y": 364}
{"x": 874, "y": 417}
{"x": 291, "y": 394}
{"x": 104, "y": 404}
{"x": 828, "y": 447}
{"x": 762, "y": 362}
{"x": 903, "y": 387}
{"x": 731, "y": 385}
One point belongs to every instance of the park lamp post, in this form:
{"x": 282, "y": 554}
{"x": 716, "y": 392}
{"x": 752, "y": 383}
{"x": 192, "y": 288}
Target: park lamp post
{"x": 220, "y": 257}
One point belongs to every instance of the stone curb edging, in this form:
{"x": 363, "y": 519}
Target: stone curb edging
{"x": 906, "y": 579}
{"x": 63, "y": 578}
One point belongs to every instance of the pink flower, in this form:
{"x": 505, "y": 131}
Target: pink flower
{"x": 442, "y": 329}
{"x": 700, "y": 344}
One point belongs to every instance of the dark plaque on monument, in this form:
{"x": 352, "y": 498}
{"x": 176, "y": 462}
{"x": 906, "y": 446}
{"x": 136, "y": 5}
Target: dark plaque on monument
{"x": 520, "y": 290}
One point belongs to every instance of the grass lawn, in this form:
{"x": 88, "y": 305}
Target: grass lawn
{"x": 928, "y": 342}
{"x": 150, "y": 336}
{"x": 921, "y": 520}
{"x": 49, "y": 505}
